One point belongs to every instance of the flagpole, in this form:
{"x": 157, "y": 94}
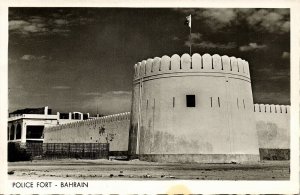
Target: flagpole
{"x": 191, "y": 40}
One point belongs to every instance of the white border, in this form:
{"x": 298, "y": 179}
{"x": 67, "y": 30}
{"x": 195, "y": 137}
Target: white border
{"x": 153, "y": 187}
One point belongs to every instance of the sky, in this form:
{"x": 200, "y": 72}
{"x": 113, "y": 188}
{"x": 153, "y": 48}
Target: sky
{"x": 81, "y": 59}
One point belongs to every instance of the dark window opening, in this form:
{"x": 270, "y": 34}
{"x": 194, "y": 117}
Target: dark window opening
{"x": 18, "y": 132}
{"x": 244, "y": 104}
{"x": 34, "y": 132}
{"x": 34, "y": 141}
{"x": 12, "y": 132}
{"x": 49, "y": 111}
{"x": 85, "y": 116}
{"x": 147, "y": 105}
{"x": 211, "y": 102}
{"x": 76, "y": 116}
{"x": 64, "y": 115}
{"x": 219, "y": 102}
{"x": 7, "y": 133}
{"x": 190, "y": 101}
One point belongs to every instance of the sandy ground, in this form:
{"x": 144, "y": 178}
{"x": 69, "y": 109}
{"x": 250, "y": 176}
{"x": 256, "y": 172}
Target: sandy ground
{"x": 139, "y": 170}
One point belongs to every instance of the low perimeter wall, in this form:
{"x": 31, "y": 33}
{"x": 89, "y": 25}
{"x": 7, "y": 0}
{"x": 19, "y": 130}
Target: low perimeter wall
{"x": 273, "y": 129}
{"x": 112, "y": 129}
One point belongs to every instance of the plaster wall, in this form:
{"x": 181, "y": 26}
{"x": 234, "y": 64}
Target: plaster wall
{"x": 273, "y": 126}
{"x": 111, "y": 129}
{"x": 222, "y": 122}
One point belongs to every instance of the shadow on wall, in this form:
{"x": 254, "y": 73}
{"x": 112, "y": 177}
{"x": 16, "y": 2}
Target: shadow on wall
{"x": 15, "y": 152}
{"x": 274, "y": 154}
{"x": 271, "y": 136}
{"x": 168, "y": 143}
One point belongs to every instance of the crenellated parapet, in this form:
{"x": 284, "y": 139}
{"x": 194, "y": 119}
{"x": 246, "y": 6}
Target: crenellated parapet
{"x": 271, "y": 108}
{"x": 194, "y": 63}
{"x": 89, "y": 122}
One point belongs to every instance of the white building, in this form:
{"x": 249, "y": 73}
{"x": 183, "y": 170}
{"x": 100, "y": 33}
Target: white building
{"x": 28, "y": 125}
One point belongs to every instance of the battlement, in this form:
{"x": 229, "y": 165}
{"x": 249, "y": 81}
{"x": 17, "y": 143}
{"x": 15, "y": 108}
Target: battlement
{"x": 196, "y": 63}
{"x": 283, "y": 109}
{"x": 88, "y": 122}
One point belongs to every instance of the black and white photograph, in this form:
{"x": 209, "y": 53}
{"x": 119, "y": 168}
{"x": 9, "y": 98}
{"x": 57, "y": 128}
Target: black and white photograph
{"x": 149, "y": 94}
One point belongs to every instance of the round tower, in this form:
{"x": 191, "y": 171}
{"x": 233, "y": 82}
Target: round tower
{"x": 193, "y": 109}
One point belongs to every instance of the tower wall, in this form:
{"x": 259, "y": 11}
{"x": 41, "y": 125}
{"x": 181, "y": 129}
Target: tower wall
{"x": 221, "y": 126}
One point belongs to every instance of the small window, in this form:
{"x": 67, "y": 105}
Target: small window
{"x": 219, "y": 102}
{"x": 190, "y": 101}
{"x": 147, "y": 105}
{"x": 244, "y": 104}
{"x": 173, "y": 102}
{"x": 211, "y": 102}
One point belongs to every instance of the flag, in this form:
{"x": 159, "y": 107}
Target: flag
{"x": 188, "y": 21}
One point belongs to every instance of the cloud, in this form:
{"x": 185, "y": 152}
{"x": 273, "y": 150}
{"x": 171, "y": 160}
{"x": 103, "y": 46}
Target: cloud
{"x": 210, "y": 45}
{"x": 26, "y": 27}
{"x": 28, "y": 57}
{"x": 198, "y": 41}
{"x": 60, "y": 21}
{"x": 261, "y": 20}
{"x": 196, "y": 36}
{"x": 17, "y": 24}
{"x": 109, "y": 102}
{"x": 251, "y": 47}
{"x": 271, "y": 21}
{"x": 61, "y": 87}
{"x": 272, "y": 96}
{"x": 54, "y": 23}
{"x": 175, "y": 38}
{"x": 275, "y": 76}
{"x": 285, "y": 55}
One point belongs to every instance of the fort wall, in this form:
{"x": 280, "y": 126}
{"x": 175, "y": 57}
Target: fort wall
{"x": 112, "y": 129}
{"x": 219, "y": 128}
{"x": 273, "y": 126}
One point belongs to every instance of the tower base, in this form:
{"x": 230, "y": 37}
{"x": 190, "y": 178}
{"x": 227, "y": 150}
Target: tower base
{"x": 200, "y": 158}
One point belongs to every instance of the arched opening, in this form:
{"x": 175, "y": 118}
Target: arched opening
{"x": 12, "y": 132}
{"x": 18, "y": 131}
